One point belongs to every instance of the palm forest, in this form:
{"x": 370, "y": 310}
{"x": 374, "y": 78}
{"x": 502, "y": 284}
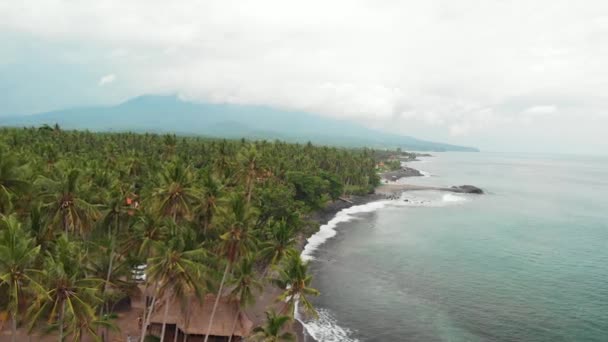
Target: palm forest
{"x": 89, "y": 221}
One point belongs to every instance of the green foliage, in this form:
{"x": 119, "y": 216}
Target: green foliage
{"x": 310, "y": 189}
{"x": 294, "y": 279}
{"x": 86, "y": 215}
{"x": 274, "y": 329}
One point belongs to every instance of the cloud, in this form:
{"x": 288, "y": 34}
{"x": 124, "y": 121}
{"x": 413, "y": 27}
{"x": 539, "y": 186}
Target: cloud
{"x": 453, "y": 68}
{"x": 107, "y": 79}
{"x": 541, "y": 110}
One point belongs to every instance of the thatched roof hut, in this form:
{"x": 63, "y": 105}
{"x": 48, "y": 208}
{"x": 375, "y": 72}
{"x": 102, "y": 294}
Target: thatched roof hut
{"x": 194, "y": 318}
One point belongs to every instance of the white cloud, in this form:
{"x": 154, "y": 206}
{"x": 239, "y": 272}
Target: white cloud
{"x": 456, "y": 67}
{"x": 541, "y": 110}
{"x": 107, "y": 79}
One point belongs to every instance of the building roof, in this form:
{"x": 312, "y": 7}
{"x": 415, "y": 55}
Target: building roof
{"x": 199, "y": 315}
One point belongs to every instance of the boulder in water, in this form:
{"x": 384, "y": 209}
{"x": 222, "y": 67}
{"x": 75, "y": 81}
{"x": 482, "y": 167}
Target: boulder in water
{"x": 467, "y": 189}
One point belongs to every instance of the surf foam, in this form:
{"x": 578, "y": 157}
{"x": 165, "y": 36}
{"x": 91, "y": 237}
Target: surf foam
{"x": 327, "y": 231}
{"x": 453, "y": 198}
{"x": 425, "y": 173}
{"x": 326, "y": 329}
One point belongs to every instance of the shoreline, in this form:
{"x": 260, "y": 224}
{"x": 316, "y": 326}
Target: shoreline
{"x": 385, "y": 191}
{"x": 322, "y": 217}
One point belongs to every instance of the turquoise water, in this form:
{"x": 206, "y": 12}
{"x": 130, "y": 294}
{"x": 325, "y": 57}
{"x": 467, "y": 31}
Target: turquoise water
{"x": 526, "y": 262}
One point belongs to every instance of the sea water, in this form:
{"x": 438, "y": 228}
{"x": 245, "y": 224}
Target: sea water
{"x": 528, "y": 261}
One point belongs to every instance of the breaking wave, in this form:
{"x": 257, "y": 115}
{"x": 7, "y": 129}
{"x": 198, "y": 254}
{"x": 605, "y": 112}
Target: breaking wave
{"x": 326, "y": 328}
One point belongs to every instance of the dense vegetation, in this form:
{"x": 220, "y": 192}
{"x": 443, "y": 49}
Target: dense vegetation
{"x": 82, "y": 213}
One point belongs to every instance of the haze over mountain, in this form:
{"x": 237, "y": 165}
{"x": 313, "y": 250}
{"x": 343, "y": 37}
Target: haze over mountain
{"x": 170, "y": 114}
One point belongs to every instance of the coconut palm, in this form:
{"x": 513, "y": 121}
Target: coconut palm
{"x": 40, "y": 231}
{"x": 175, "y": 192}
{"x": 211, "y": 194}
{"x": 236, "y": 242}
{"x": 65, "y": 203}
{"x": 12, "y": 182}
{"x": 273, "y": 330}
{"x": 116, "y": 273}
{"x": 17, "y": 257}
{"x": 294, "y": 279}
{"x": 147, "y": 231}
{"x": 244, "y": 286}
{"x": 177, "y": 273}
{"x": 280, "y": 242}
{"x": 113, "y": 219}
{"x": 249, "y": 161}
{"x": 69, "y": 297}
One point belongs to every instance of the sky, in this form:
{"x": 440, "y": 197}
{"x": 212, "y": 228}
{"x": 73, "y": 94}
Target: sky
{"x": 501, "y": 75}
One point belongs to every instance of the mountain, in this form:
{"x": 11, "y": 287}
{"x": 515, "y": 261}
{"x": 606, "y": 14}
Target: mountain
{"x": 169, "y": 114}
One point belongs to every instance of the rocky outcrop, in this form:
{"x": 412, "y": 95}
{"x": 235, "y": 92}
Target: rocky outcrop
{"x": 405, "y": 171}
{"x": 467, "y": 189}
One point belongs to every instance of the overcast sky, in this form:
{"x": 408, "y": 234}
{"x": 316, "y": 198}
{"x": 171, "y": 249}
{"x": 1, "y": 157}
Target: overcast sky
{"x": 500, "y": 75}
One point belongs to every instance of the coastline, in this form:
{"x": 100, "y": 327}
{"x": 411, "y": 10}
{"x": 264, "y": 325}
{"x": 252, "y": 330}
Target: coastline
{"x": 385, "y": 191}
{"x": 322, "y": 217}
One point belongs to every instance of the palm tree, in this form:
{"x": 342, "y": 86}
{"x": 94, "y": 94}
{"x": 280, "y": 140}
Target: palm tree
{"x": 294, "y": 279}
{"x": 178, "y": 273}
{"x": 116, "y": 215}
{"x": 116, "y": 273}
{"x": 212, "y": 191}
{"x": 272, "y": 331}
{"x": 281, "y": 241}
{"x": 69, "y": 297}
{"x": 236, "y": 242}
{"x": 11, "y": 181}
{"x": 64, "y": 203}
{"x": 88, "y": 325}
{"x": 249, "y": 162}
{"x": 38, "y": 228}
{"x": 17, "y": 256}
{"x": 148, "y": 232}
{"x": 175, "y": 192}
{"x": 244, "y": 284}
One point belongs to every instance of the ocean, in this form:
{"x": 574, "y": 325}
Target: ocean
{"x": 528, "y": 261}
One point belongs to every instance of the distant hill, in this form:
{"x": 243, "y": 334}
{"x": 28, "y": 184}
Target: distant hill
{"x": 169, "y": 114}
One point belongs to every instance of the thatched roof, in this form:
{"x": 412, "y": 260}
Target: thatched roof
{"x": 199, "y": 317}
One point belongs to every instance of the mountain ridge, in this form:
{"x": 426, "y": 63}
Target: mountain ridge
{"x": 169, "y": 114}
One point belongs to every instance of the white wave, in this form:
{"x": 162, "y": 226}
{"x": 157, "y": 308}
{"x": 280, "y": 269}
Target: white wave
{"x": 326, "y": 329}
{"x": 428, "y": 198}
{"x": 453, "y": 198}
{"x": 425, "y": 173}
{"x": 328, "y": 230}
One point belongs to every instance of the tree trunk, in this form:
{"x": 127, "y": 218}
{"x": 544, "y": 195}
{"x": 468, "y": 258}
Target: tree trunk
{"x": 249, "y": 189}
{"x": 61, "y": 316}
{"x": 206, "y": 221}
{"x": 265, "y": 273}
{"x": 65, "y": 224}
{"x": 14, "y": 327}
{"x": 147, "y": 319}
{"x": 175, "y": 334}
{"x": 105, "y": 290}
{"x": 236, "y": 318}
{"x": 187, "y": 322}
{"x": 143, "y": 316}
{"x": 217, "y": 300}
{"x": 162, "y": 331}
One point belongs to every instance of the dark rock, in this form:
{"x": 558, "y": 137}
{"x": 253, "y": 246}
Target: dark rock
{"x": 401, "y": 173}
{"x": 467, "y": 189}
